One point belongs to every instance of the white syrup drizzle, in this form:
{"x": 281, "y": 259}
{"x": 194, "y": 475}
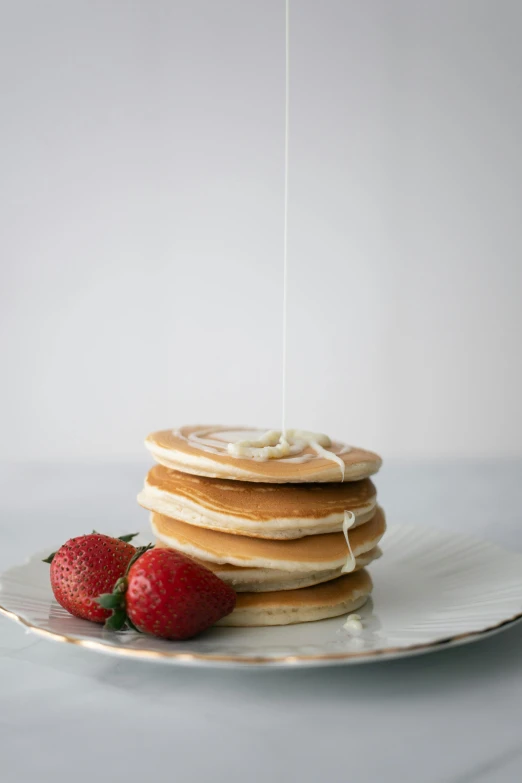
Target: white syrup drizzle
{"x": 353, "y": 624}
{"x": 349, "y": 519}
{"x": 276, "y": 444}
{"x": 292, "y": 446}
{"x": 284, "y": 443}
{"x": 285, "y": 221}
{"x": 322, "y": 452}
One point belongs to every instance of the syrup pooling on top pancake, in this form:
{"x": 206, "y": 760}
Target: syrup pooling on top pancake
{"x": 291, "y": 444}
{"x": 204, "y": 451}
{"x": 254, "y": 509}
{"x": 311, "y": 553}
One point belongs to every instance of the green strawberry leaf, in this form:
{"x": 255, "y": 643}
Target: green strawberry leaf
{"x": 50, "y": 558}
{"x": 117, "y": 620}
{"x": 132, "y": 626}
{"x": 111, "y": 600}
{"x": 128, "y": 537}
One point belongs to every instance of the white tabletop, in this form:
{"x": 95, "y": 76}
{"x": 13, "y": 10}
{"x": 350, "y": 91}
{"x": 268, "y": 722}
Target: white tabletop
{"x": 70, "y": 714}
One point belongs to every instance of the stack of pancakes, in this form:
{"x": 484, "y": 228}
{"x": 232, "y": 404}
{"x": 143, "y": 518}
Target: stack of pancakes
{"x": 272, "y": 529}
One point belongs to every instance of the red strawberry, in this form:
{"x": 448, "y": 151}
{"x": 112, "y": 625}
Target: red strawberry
{"x": 84, "y": 568}
{"x": 169, "y": 595}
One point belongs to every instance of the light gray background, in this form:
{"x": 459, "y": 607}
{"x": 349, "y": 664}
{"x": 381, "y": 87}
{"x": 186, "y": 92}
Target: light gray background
{"x": 141, "y": 163}
{"x": 140, "y": 259}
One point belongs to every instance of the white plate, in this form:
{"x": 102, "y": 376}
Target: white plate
{"x": 432, "y": 589}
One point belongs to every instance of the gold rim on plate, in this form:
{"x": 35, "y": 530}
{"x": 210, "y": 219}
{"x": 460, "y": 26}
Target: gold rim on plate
{"x": 262, "y": 659}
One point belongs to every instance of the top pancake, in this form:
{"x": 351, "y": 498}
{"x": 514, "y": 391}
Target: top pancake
{"x": 202, "y": 451}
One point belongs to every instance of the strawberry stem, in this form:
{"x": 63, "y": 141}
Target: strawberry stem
{"x": 112, "y": 601}
{"x": 117, "y": 620}
{"x": 140, "y": 550}
{"x": 115, "y": 601}
{"x": 131, "y": 625}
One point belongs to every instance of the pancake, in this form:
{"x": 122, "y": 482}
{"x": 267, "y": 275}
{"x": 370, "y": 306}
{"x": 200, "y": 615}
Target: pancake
{"x": 203, "y": 451}
{"x": 285, "y": 607}
{"x": 309, "y": 554}
{"x": 254, "y": 509}
{"x": 264, "y": 580}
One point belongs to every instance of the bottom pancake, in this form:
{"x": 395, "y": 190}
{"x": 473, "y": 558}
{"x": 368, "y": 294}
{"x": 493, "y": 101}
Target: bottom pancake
{"x": 263, "y": 580}
{"x": 285, "y": 607}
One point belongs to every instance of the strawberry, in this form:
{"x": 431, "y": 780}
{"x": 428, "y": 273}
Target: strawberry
{"x": 84, "y": 568}
{"x": 166, "y": 594}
